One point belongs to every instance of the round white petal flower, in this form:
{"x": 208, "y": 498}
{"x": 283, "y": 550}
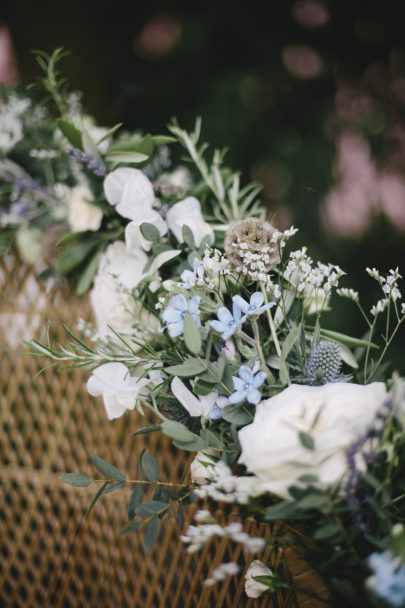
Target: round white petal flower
{"x": 334, "y": 415}
{"x": 82, "y": 214}
{"x": 118, "y": 389}
{"x": 129, "y": 190}
{"x": 256, "y": 588}
{"x": 188, "y": 213}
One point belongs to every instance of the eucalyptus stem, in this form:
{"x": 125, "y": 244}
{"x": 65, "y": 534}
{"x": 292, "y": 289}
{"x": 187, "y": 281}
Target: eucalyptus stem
{"x": 145, "y": 481}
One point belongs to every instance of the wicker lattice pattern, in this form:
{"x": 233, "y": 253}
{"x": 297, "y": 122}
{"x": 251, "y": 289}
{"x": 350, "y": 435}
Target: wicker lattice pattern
{"x": 50, "y": 555}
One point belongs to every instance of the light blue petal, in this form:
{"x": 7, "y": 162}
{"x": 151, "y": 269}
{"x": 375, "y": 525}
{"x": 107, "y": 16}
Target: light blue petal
{"x": 266, "y": 307}
{"x": 171, "y": 315}
{"x": 196, "y": 320}
{"x": 246, "y": 374}
{"x": 258, "y": 380}
{"x": 240, "y": 303}
{"x": 194, "y": 304}
{"x": 176, "y": 329}
{"x": 237, "y": 313}
{"x": 238, "y": 383}
{"x": 229, "y": 331}
{"x": 215, "y": 413}
{"x": 237, "y": 397}
{"x": 254, "y": 396}
{"x": 179, "y": 302}
{"x": 218, "y": 326}
{"x": 196, "y": 263}
{"x": 224, "y": 315}
{"x": 256, "y": 299}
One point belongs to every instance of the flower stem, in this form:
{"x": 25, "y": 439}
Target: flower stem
{"x": 271, "y": 323}
{"x": 259, "y": 351}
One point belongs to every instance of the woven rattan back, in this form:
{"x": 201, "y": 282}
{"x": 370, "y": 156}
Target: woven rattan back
{"x": 50, "y": 554}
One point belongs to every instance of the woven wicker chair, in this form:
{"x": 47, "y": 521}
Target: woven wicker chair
{"x": 50, "y": 554}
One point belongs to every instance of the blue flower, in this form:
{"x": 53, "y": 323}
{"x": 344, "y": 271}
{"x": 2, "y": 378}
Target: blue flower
{"x": 176, "y": 311}
{"x": 228, "y": 322}
{"x": 255, "y": 306}
{"x": 246, "y": 386}
{"x": 388, "y": 580}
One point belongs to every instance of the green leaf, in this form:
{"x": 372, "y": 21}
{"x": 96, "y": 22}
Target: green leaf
{"x": 132, "y": 527}
{"x": 306, "y": 440}
{"x": 87, "y": 276}
{"x": 311, "y": 501}
{"x": 237, "y": 414}
{"x": 191, "y": 367}
{"x": 212, "y": 440}
{"x": 79, "y": 480}
{"x": 135, "y": 500}
{"x": 178, "y": 431}
{"x": 150, "y": 466}
{"x": 159, "y": 140}
{"x": 111, "y": 487}
{"x": 97, "y": 495}
{"x": 202, "y": 388}
{"x": 281, "y": 510}
{"x": 110, "y": 133}
{"x": 290, "y": 341}
{"x": 325, "y": 532}
{"x": 106, "y": 468}
{"x": 72, "y": 134}
{"x": 127, "y": 157}
{"x": 69, "y": 259}
{"x": 155, "y": 507}
{"x": 148, "y": 429}
{"x": 150, "y": 232}
{"x": 188, "y": 237}
{"x": 191, "y": 446}
{"x": 192, "y": 335}
{"x": 348, "y": 340}
{"x": 151, "y": 532}
{"x": 89, "y": 145}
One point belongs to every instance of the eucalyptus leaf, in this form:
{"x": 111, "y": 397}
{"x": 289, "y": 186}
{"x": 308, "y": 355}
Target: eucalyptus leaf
{"x": 135, "y": 500}
{"x": 237, "y": 414}
{"x": 150, "y": 232}
{"x": 132, "y": 527}
{"x": 154, "y": 507}
{"x": 79, "y": 480}
{"x": 96, "y": 497}
{"x": 151, "y": 532}
{"x": 192, "y": 335}
{"x": 106, "y": 468}
{"x": 191, "y": 367}
{"x": 150, "y": 466}
{"x": 178, "y": 431}
{"x": 148, "y": 429}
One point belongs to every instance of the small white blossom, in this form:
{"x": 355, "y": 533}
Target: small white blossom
{"x": 221, "y": 572}
{"x": 344, "y": 292}
{"x": 379, "y": 307}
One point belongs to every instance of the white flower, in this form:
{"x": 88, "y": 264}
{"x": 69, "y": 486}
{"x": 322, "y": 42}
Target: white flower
{"x": 199, "y": 468}
{"x": 29, "y": 244}
{"x": 334, "y": 415}
{"x": 118, "y": 389}
{"x": 82, "y": 214}
{"x": 129, "y": 191}
{"x": 196, "y": 406}
{"x": 188, "y": 213}
{"x": 118, "y": 274}
{"x": 134, "y": 238}
{"x": 255, "y": 588}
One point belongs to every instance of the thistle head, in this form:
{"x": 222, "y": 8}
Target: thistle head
{"x": 251, "y": 237}
{"x": 323, "y": 364}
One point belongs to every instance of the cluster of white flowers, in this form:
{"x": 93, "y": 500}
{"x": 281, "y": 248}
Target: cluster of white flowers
{"x": 221, "y": 485}
{"x": 351, "y": 294}
{"x": 176, "y": 183}
{"x": 43, "y": 154}
{"x": 221, "y": 572}
{"x": 302, "y": 273}
{"x": 11, "y": 126}
{"x": 280, "y": 238}
{"x": 197, "y": 536}
{"x": 389, "y": 285}
{"x": 206, "y": 271}
{"x": 255, "y": 266}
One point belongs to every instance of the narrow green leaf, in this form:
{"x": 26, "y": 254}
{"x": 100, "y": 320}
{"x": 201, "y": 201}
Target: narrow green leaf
{"x": 88, "y": 274}
{"x": 325, "y": 532}
{"x": 290, "y": 341}
{"x": 155, "y": 507}
{"x": 111, "y": 487}
{"x": 344, "y": 339}
{"x": 191, "y": 367}
{"x": 109, "y": 133}
{"x": 72, "y": 134}
{"x": 311, "y": 501}
{"x": 148, "y": 429}
{"x": 127, "y": 157}
{"x": 106, "y": 468}
{"x": 150, "y": 466}
{"x": 79, "y": 480}
{"x": 135, "y": 500}
{"x": 281, "y": 510}
{"x": 151, "y": 532}
{"x": 99, "y": 493}
{"x": 69, "y": 259}
{"x": 132, "y": 527}
{"x": 192, "y": 335}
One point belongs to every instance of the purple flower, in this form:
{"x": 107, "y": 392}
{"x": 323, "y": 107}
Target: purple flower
{"x": 176, "y": 311}
{"x": 228, "y": 323}
{"x": 246, "y": 386}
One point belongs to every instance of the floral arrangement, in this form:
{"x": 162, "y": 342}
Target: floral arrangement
{"x": 214, "y": 327}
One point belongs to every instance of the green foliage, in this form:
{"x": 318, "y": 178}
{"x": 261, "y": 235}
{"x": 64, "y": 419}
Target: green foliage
{"x": 79, "y": 480}
{"x": 106, "y": 468}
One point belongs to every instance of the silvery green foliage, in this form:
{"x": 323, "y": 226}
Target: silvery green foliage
{"x": 323, "y": 364}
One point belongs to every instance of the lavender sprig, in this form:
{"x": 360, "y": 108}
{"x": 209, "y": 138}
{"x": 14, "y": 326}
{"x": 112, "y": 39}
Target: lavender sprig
{"x": 94, "y": 165}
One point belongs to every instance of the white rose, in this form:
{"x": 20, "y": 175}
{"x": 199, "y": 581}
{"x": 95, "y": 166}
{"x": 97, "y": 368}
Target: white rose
{"x": 119, "y": 273}
{"x": 199, "y": 468}
{"x": 82, "y": 214}
{"x": 188, "y": 213}
{"x": 129, "y": 191}
{"x": 255, "y": 588}
{"x": 334, "y": 415}
{"x": 118, "y": 389}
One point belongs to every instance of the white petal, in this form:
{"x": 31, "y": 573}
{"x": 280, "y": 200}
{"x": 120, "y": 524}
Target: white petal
{"x": 114, "y": 184}
{"x": 186, "y": 398}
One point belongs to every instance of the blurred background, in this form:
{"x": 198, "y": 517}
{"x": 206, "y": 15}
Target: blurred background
{"x": 309, "y": 95}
